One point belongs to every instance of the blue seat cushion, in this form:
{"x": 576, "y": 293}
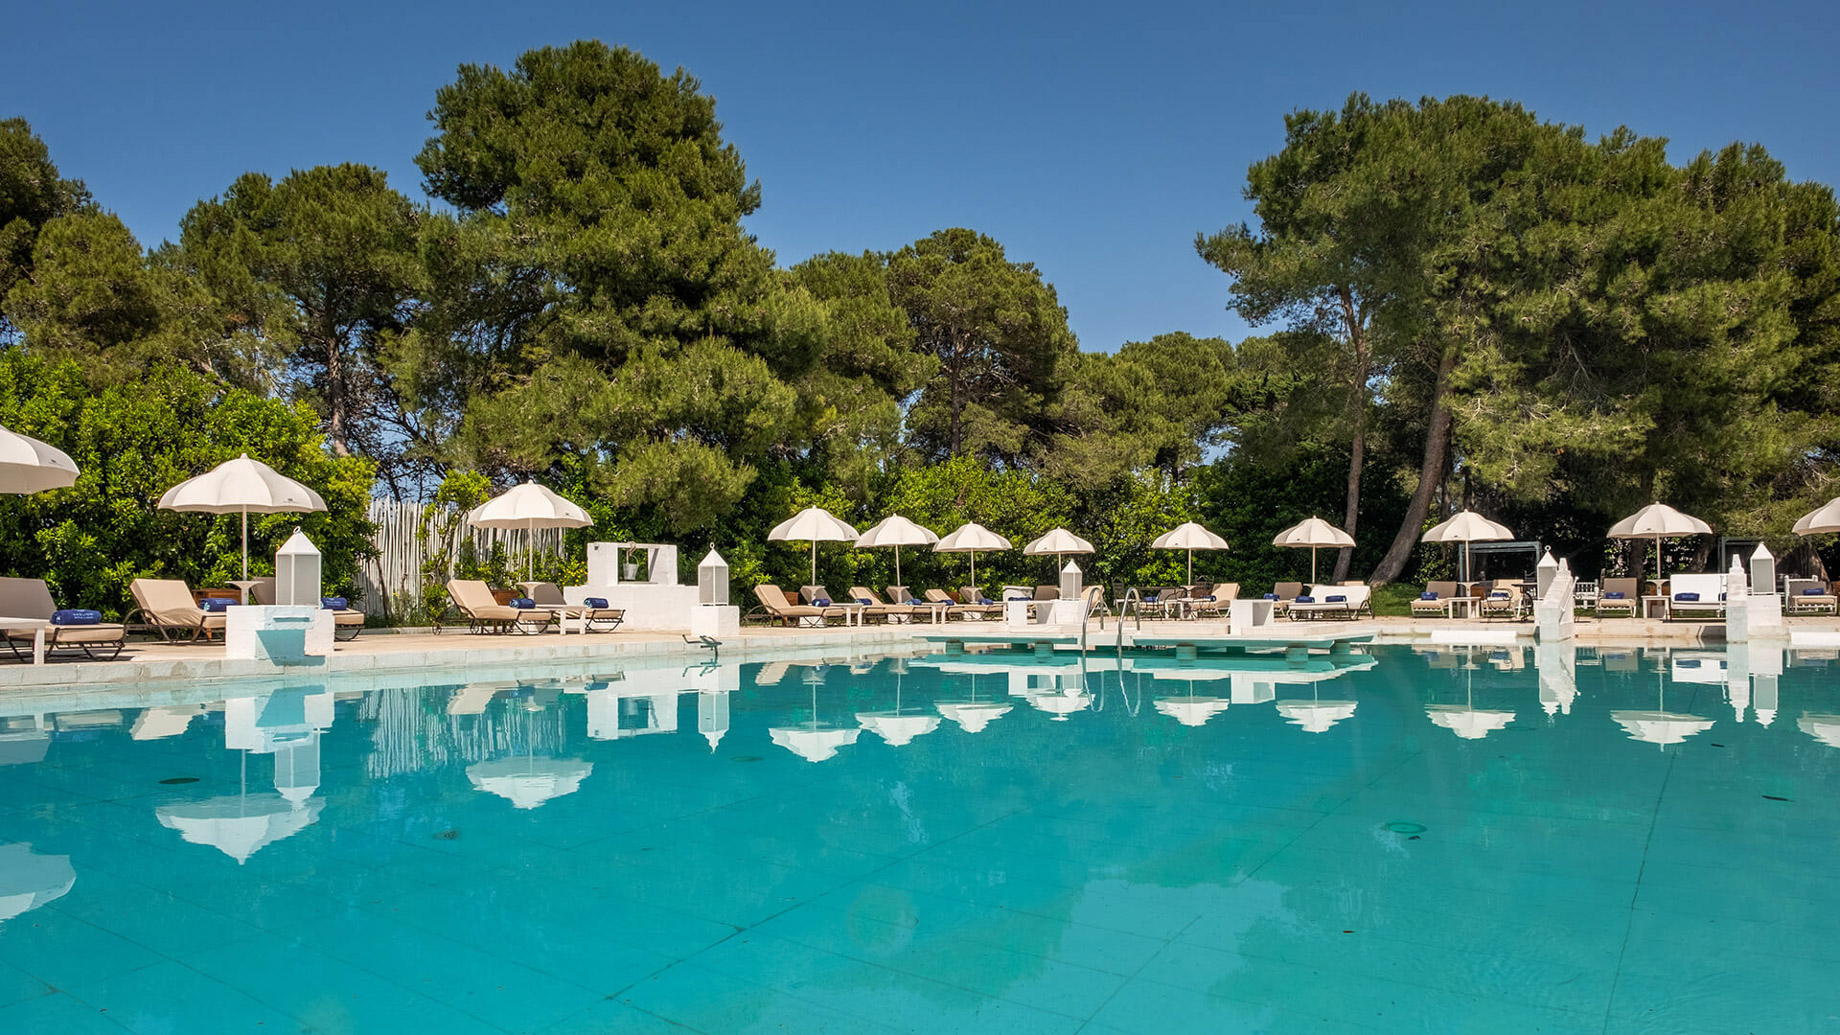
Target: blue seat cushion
{"x": 985, "y": 600}
{"x": 1687, "y": 598}
{"x": 1427, "y": 595}
{"x": 915, "y": 601}
{"x": 1336, "y": 599}
{"x": 595, "y": 602}
{"x": 1814, "y": 591}
{"x": 332, "y": 603}
{"x": 1615, "y": 595}
{"x": 865, "y": 601}
{"x": 523, "y": 603}
{"x": 215, "y": 604}
{"x": 1271, "y": 596}
{"x": 76, "y": 616}
{"x": 1304, "y": 600}
{"x": 821, "y": 602}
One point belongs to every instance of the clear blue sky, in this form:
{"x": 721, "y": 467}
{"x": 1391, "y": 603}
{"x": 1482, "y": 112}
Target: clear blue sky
{"x": 1094, "y": 140}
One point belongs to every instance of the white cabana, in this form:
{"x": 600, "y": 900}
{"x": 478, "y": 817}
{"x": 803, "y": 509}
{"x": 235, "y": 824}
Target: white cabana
{"x": 28, "y": 465}
{"x": 896, "y": 531}
{"x": 971, "y": 537}
{"x": 1466, "y": 527}
{"x": 1314, "y": 534}
{"x": 1058, "y": 542}
{"x": 528, "y": 506}
{"x": 1658, "y": 521}
{"x": 242, "y": 486}
{"x": 1822, "y": 519}
{"x": 816, "y": 525}
{"x": 1189, "y": 536}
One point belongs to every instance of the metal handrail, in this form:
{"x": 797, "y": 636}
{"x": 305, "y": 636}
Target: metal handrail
{"x": 1132, "y": 602}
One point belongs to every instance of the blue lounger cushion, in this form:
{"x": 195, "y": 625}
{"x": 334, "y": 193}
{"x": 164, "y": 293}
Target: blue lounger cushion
{"x": 1337, "y": 599}
{"x": 1616, "y": 595}
{"x": 1687, "y": 598}
{"x": 1814, "y": 591}
{"x": 523, "y": 603}
{"x": 215, "y": 604}
{"x": 332, "y": 603}
{"x": 76, "y": 616}
{"x": 985, "y": 600}
{"x": 594, "y": 602}
{"x": 1427, "y": 596}
{"x": 1304, "y": 600}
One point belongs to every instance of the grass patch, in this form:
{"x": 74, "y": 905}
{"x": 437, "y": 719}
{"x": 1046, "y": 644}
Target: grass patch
{"x": 1395, "y": 599}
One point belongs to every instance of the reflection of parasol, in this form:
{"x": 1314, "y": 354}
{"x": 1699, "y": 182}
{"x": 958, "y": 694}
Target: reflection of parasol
{"x": 1315, "y": 715}
{"x": 29, "y": 880}
{"x": 1466, "y": 720}
{"x": 973, "y": 715}
{"x": 529, "y": 781}
{"x": 239, "y": 825}
{"x": 1062, "y": 705}
{"x": 815, "y": 741}
{"x": 894, "y": 727}
{"x": 1660, "y": 726}
{"x": 1190, "y": 710}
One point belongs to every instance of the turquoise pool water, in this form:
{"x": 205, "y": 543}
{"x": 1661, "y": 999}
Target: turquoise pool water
{"x": 1465, "y": 841}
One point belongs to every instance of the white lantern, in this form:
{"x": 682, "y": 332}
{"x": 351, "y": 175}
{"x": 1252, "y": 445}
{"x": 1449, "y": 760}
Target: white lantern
{"x": 1070, "y": 581}
{"x": 1763, "y": 572}
{"x": 297, "y": 572}
{"x": 712, "y": 581}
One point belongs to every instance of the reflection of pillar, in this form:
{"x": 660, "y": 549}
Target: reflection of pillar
{"x": 297, "y": 769}
{"x": 1766, "y": 665}
{"x": 712, "y": 717}
{"x": 1247, "y": 688}
{"x": 1764, "y": 700}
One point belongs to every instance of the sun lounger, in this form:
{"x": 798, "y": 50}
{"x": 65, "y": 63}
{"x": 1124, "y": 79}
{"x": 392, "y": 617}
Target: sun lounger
{"x": 1503, "y": 600}
{"x": 166, "y": 606}
{"x": 1808, "y": 597}
{"x": 347, "y": 622}
{"x": 878, "y": 608}
{"x": 1329, "y": 601}
{"x": 1282, "y": 594}
{"x": 548, "y": 595}
{"x": 31, "y": 598}
{"x": 1618, "y": 596}
{"x": 777, "y": 608}
{"x": 974, "y": 602}
{"x": 1437, "y": 600}
{"x": 484, "y": 614}
{"x": 1696, "y": 596}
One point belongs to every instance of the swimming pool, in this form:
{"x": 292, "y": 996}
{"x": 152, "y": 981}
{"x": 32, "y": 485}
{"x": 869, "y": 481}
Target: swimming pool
{"x": 1464, "y": 840}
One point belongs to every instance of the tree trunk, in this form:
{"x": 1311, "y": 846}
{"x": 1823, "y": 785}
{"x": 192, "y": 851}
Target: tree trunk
{"x": 1430, "y": 473}
{"x": 955, "y": 370}
{"x": 1357, "y": 447}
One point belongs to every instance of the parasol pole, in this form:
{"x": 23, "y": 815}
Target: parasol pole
{"x": 814, "y": 567}
{"x": 897, "y": 565}
{"x": 245, "y": 544}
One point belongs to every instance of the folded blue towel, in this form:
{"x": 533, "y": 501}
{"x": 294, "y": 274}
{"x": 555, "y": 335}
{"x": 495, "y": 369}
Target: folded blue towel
{"x": 865, "y": 601}
{"x": 1271, "y": 596}
{"x": 523, "y": 603}
{"x": 1304, "y": 600}
{"x": 594, "y": 602}
{"x": 1814, "y": 591}
{"x": 1337, "y": 599}
{"x": 1687, "y": 598}
{"x": 1687, "y": 663}
{"x": 985, "y": 600}
{"x": 1427, "y": 596}
{"x": 1209, "y": 598}
{"x": 332, "y": 603}
{"x": 821, "y": 602}
{"x": 76, "y": 616}
{"x": 1615, "y": 595}
{"x": 215, "y": 604}
{"x": 916, "y": 601}
{"x": 1500, "y": 594}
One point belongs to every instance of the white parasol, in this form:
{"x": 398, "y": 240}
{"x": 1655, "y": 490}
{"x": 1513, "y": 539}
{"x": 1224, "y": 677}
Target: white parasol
{"x": 817, "y": 525}
{"x": 1058, "y": 542}
{"x": 242, "y": 486}
{"x": 28, "y": 465}
{"x": 1466, "y": 527}
{"x": 1191, "y": 537}
{"x": 1313, "y": 533}
{"x": 896, "y": 531}
{"x": 1658, "y": 521}
{"x": 971, "y": 537}
{"x": 528, "y": 506}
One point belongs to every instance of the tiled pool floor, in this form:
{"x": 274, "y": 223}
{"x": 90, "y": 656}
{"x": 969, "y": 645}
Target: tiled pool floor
{"x": 610, "y": 855}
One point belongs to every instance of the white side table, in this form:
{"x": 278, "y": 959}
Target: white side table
{"x": 37, "y": 625}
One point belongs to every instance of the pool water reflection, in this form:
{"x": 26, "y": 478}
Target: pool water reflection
{"x": 1487, "y": 839}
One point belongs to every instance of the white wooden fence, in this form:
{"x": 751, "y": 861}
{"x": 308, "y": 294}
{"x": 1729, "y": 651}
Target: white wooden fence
{"x": 391, "y": 581}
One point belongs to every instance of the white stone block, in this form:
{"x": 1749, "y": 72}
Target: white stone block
{"x": 715, "y": 621}
{"x": 290, "y": 635}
